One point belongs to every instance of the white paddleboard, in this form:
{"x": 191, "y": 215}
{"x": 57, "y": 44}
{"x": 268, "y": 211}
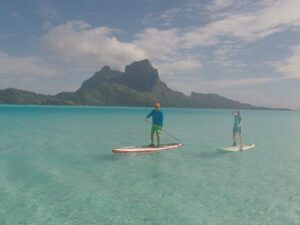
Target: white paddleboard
{"x": 142, "y": 149}
{"x": 238, "y": 148}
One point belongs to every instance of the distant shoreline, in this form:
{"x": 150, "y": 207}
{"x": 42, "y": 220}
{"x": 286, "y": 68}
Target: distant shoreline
{"x": 141, "y": 107}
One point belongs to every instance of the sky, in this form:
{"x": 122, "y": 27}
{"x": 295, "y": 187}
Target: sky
{"x": 247, "y": 50}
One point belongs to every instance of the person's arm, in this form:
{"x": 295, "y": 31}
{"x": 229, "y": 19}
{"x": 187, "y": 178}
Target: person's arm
{"x": 162, "y": 120}
{"x": 150, "y": 114}
{"x": 240, "y": 122}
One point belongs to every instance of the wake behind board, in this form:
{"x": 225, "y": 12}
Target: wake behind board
{"x": 143, "y": 149}
{"x": 238, "y": 148}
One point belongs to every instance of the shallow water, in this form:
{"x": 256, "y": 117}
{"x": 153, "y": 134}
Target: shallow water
{"x": 56, "y": 167}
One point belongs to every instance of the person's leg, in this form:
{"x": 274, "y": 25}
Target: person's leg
{"x": 151, "y": 138}
{"x": 158, "y": 138}
{"x": 234, "y": 138}
{"x": 152, "y": 134}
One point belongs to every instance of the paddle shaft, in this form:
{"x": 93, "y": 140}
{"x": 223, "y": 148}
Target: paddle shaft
{"x": 167, "y": 133}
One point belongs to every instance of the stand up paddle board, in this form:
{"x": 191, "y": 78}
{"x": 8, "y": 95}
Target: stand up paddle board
{"x": 142, "y": 149}
{"x": 238, "y": 148}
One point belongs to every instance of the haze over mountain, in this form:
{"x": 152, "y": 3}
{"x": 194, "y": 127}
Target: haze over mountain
{"x": 139, "y": 85}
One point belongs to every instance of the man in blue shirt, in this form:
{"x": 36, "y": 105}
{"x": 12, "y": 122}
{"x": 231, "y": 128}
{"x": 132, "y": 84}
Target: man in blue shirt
{"x": 157, "y": 122}
{"x": 237, "y": 127}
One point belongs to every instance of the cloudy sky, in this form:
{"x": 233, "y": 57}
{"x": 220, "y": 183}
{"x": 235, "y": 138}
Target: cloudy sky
{"x": 248, "y": 50}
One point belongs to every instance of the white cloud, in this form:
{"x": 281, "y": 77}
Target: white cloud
{"x": 169, "y": 15}
{"x": 217, "y": 5}
{"x": 197, "y": 84}
{"x": 160, "y": 44}
{"x": 290, "y": 66}
{"x": 222, "y": 57}
{"x": 175, "y": 48}
{"x": 7, "y": 36}
{"x": 29, "y": 73}
{"x": 250, "y": 25}
{"x": 247, "y": 23}
{"x": 229, "y": 83}
{"x": 164, "y": 48}
{"x": 79, "y": 43}
{"x": 24, "y": 66}
{"x": 245, "y": 27}
{"x": 182, "y": 65}
{"x": 49, "y": 16}
{"x": 242, "y": 23}
{"x": 49, "y": 13}
{"x": 16, "y": 16}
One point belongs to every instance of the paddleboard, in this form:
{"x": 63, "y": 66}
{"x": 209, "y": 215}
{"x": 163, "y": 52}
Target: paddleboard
{"x": 142, "y": 149}
{"x": 238, "y": 148}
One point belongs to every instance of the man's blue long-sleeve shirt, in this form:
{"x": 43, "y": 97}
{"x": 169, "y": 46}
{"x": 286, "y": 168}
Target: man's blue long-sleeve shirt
{"x": 157, "y": 117}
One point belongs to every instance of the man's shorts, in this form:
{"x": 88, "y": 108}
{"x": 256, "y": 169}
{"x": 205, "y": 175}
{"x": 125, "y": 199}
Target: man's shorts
{"x": 155, "y": 129}
{"x": 237, "y": 130}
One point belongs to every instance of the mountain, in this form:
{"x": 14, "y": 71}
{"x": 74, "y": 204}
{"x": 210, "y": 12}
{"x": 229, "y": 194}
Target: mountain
{"x": 139, "y": 85}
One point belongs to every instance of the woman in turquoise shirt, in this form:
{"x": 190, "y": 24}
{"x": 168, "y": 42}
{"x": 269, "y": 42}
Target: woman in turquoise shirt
{"x": 237, "y": 127}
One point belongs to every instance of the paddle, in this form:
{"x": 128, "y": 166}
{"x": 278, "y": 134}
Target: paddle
{"x": 166, "y": 132}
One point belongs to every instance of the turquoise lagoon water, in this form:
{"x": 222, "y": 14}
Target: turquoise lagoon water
{"x": 56, "y": 167}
